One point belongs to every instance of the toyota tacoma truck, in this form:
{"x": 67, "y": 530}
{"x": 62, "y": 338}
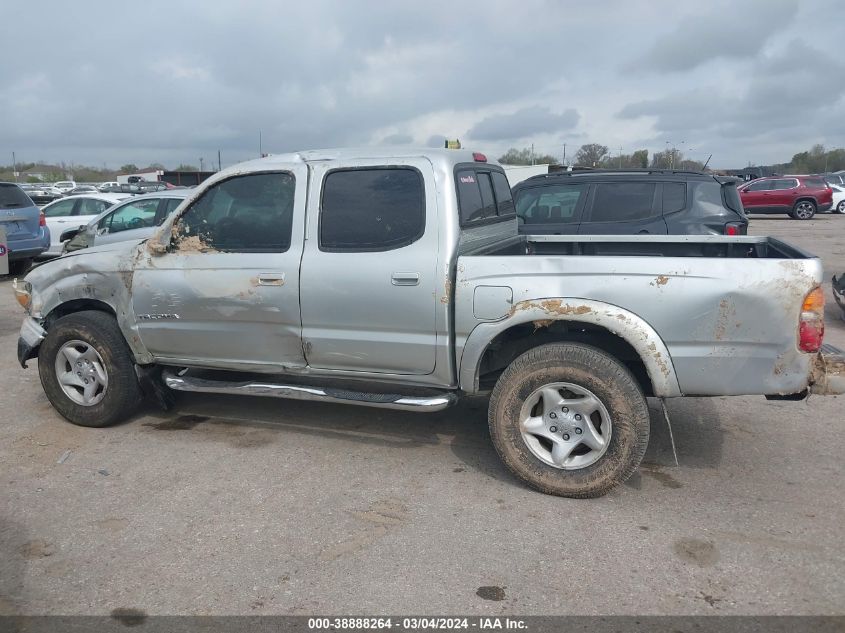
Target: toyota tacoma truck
{"x": 400, "y": 280}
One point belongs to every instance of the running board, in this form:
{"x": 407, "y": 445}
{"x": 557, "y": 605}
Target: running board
{"x": 436, "y": 402}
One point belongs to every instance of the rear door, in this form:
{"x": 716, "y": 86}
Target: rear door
{"x": 623, "y": 207}
{"x": 551, "y": 209}
{"x": 368, "y": 292}
{"x": 18, "y": 213}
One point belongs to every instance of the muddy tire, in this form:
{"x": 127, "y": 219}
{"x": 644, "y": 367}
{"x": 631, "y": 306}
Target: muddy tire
{"x": 87, "y": 371}
{"x": 569, "y": 420}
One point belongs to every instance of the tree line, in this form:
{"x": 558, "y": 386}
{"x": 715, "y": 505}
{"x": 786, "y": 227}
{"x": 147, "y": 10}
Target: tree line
{"x": 814, "y": 161}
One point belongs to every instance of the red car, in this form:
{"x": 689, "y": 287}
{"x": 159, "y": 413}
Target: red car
{"x": 797, "y": 196}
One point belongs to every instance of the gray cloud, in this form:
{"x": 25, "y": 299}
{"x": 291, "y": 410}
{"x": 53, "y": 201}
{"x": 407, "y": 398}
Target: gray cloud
{"x": 398, "y": 139}
{"x": 736, "y": 34}
{"x": 212, "y": 75}
{"x": 523, "y": 123}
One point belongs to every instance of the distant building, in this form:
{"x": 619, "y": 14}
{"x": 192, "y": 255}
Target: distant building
{"x": 518, "y": 173}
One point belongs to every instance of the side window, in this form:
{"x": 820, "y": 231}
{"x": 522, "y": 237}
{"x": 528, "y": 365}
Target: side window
{"x": 60, "y": 209}
{"x": 674, "y": 197}
{"x": 549, "y": 205}
{"x": 137, "y": 214}
{"x": 785, "y": 183}
{"x": 170, "y": 205}
{"x": 622, "y": 201}
{"x": 504, "y": 199}
{"x": 707, "y": 199}
{"x": 763, "y": 185}
{"x": 92, "y": 206}
{"x": 371, "y": 209}
{"x": 244, "y": 214}
{"x": 487, "y": 199}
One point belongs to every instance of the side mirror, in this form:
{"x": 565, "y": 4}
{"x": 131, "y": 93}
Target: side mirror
{"x": 69, "y": 234}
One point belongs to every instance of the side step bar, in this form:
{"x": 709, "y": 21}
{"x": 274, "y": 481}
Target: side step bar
{"x": 432, "y": 403}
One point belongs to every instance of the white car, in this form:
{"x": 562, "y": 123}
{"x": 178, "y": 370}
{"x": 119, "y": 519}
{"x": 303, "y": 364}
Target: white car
{"x": 108, "y": 185}
{"x": 74, "y": 211}
{"x": 838, "y": 199}
{"x": 65, "y": 185}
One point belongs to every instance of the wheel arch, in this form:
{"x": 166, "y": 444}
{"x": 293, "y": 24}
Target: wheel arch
{"x": 611, "y": 328}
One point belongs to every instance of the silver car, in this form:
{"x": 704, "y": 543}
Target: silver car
{"x": 132, "y": 219}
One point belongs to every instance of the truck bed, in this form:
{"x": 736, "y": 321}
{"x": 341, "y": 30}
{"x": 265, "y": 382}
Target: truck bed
{"x": 729, "y": 326}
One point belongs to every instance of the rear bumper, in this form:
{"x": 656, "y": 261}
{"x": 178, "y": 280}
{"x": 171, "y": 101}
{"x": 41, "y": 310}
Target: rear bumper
{"x": 825, "y": 206}
{"x": 30, "y": 339}
{"x": 29, "y": 247}
{"x": 829, "y": 372}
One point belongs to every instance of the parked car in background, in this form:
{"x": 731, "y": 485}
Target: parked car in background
{"x": 104, "y": 187}
{"x": 800, "y": 197}
{"x": 73, "y": 212}
{"x": 65, "y": 185}
{"x": 82, "y": 189}
{"x": 142, "y": 186}
{"x": 134, "y": 219}
{"x": 40, "y": 194}
{"x": 606, "y": 202}
{"x": 834, "y": 179}
{"x": 838, "y": 205}
{"x": 27, "y": 235}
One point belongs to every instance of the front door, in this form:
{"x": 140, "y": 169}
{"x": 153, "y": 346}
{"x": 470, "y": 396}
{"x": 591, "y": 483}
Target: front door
{"x": 228, "y": 293}
{"x": 369, "y": 294}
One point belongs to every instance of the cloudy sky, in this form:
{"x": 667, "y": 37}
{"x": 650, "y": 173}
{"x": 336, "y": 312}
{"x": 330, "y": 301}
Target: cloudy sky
{"x": 748, "y": 81}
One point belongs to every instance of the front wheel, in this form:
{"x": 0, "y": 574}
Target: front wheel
{"x": 803, "y": 210}
{"x": 569, "y": 420}
{"x": 87, "y": 371}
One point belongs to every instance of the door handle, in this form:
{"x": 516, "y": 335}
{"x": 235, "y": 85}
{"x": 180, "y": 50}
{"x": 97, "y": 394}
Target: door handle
{"x": 405, "y": 279}
{"x": 271, "y": 279}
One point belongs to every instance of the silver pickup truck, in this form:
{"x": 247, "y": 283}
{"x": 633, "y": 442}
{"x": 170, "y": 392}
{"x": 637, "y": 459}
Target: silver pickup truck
{"x": 399, "y": 280}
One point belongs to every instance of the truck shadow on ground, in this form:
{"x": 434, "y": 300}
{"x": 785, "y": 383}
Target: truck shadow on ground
{"x": 249, "y": 423}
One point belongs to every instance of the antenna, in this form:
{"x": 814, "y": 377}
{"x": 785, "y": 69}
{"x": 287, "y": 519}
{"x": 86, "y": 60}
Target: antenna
{"x": 708, "y": 160}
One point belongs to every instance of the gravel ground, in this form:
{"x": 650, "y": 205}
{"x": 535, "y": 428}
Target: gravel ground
{"x": 248, "y": 506}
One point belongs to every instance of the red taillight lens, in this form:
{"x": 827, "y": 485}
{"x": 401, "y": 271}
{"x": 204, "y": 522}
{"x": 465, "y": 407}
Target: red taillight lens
{"x": 733, "y": 228}
{"x": 811, "y": 323}
{"x": 42, "y": 219}
{"x": 478, "y": 157}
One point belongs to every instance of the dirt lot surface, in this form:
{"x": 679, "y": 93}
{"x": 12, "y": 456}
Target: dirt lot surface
{"x": 249, "y": 506}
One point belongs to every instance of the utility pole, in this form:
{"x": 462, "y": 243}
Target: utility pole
{"x": 219, "y": 164}
{"x": 564, "y": 155}
{"x": 14, "y": 166}
{"x": 532, "y": 153}
{"x": 200, "y": 163}
{"x": 620, "y": 157}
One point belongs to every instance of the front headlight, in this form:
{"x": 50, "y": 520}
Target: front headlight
{"x": 23, "y": 293}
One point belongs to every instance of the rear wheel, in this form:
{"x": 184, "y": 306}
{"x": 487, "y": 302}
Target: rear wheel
{"x": 87, "y": 370}
{"x": 570, "y": 420}
{"x": 840, "y": 208}
{"x": 804, "y": 210}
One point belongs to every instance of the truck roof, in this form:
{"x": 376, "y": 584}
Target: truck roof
{"x": 436, "y": 155}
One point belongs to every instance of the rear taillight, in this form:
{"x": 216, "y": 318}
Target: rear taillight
{"x": 811, "y": 324}
{"x": 42, "y": 219}
{"x": 733, "y": 228}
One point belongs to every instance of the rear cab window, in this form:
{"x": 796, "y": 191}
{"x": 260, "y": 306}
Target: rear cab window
{"x": 484, "y": 195}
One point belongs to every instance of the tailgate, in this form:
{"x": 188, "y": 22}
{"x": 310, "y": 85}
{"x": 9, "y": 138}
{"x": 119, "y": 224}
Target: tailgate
{"x": 19, "y": 216}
